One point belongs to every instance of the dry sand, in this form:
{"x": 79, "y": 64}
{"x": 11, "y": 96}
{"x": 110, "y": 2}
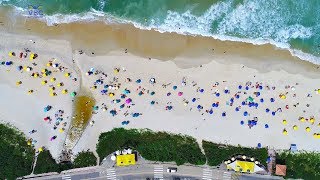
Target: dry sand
{"x": 173, "y": 57}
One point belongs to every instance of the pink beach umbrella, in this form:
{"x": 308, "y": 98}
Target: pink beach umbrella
{"x": 128, "y": 101}
{"x": 180, "y": 93}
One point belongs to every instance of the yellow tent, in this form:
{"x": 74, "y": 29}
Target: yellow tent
{"x": 126, "y": 160}
{"x": 243, "y": 166}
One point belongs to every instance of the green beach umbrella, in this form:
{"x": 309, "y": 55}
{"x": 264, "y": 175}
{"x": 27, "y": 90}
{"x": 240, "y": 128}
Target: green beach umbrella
{"x": 73, "y": 94}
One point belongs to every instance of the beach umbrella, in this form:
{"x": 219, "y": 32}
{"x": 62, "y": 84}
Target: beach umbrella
{"x": 247, "y": 88}
{"x": 243, "y": 103}
{"x": 9, "y": 63}
{"x": 53, "y": 94}
{"x": 152, "y": 93}
{"x": 152, "y": 102}
{"x": 53, "y": 138}
{"x": 237, "y": 109}
{"x": 283, "y": 96}
{"x": 28, "y": 68}
{"x": 261, "y": 100}
{"x": 18, "y": 83}
{"x": 111, "y": 94}
{"x": 40, "y": 149}
{"x": 12, "y": 54}
{"x": 284, "y": 132}
{"x": 217, "y": 94}
{"x": 65, "y": 91}
{"x": 95, "y": 108}
{"x": 211, "y": 111}
{"x": 194, "y": 100}
{"x": 259, "y": 146}
{"x": 60, "y": 84}
{"x": 250, "y": 99}
{"x": 152, "y": 80}
{"x": 267, "y": 110}
{"x": 128, "y": 101}
{"x": 30, "y": 91}
{"x": 237, "y": 96}
{"x": 271, "y": 99}
{"x": 302, "y": 119}
{"x": 260, "y": 87}
{"x": 318, "y": 91}
{"x": 295, "y": 127}
{"x": 239, "y": 87}
{"x": 61, "y": 130}
{"x": 242, "y": 122}
{"x": 284, "y": 122}
{"x": 245, "y": 113}
{"x": 266, "y": 126}
{"x": 44, "y": 82}
{"x": 19, "y": 68}
{"x": 273, "y": 113}
{"x": 52, "y": 88}
{"x": 180, "y": 93}
{"x": 29, "y": 143}
{"x": 311, "y": 120}
{"x": 226, "y": 91}
{"x": 138, "y": 81}
{"x": 201, "y": 90}
{"x": 174, "y": 87}
{"x": 53, "y": 79}
{"x": 67, "y": 74}
{"x": 73, "y": 94}
{"x": 308, "y": 129}
{"x": 224, "y": 114}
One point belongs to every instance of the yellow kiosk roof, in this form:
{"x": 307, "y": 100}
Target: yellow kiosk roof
{"x": 126, "y": 160}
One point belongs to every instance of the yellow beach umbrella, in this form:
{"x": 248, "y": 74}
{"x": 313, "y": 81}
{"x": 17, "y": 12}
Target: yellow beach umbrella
{"x": 94, "y": 87}
{"x": 30, "y": 91}
{"x": 11, "y": 54}
{"x": 282, "y": 96}
{"x": 111, "y": 94}
{"x": 61, "y": 130}
{"x": 302, "y": 119}
{"x": 319, "y": 125}
{"x": 44, "y": 82}
{"x": 43, "y": 70}
{"x": 318, "y": 91}
{"x": 52, "y": 88}
{"x": 60, "y": 84}
{"x": 312, "y": 120}
{"x": 31, "y": 56}
{"x": 285, "y": 132}
{"x": 53, "y": 79}
{"x": 18, "y": 83}
{"x": 67, "y": 74}
{"x": 65, "y": 91}
{"x": 53, "y": 94}
{"x": 36, "y": 75}
{"x": 116, "y": 70}
{"x": 295, "y": 127}
{"x": 284, "y": 122}
{"x": 49, "y": 64}
{"x": 40, "y": 149}
{"x": 308, "y": 129}
{"x": 29, "y": 143}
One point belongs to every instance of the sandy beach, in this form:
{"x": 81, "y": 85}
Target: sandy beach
{"x": 164, "y": 82}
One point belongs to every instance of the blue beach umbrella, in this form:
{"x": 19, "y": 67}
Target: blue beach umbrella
{"x": 152, "y": 102}
{"x": 174, "y": 87}
{"x": 267, "y": 110}
{"x": 217, "y": 94}
{"x": 258, "y": 94}
{"x": 213, "y": 104}
{"x": 245, "y": 113}
{"x": 259, "y": 145}
{"x": 273, "y": 113}
{"x": 242, "y": 122}
{"x": 261, "y": 100}
{"x": 152, "y": 93}
{"x": 243, "y": 103}
{"x": 138, "y": 81}
{"x": 237, "y": 96}
{"x": 266, "y": 126}
{"x": 226, "y": 91}
{"x": 211, "y": 111}
{"x": 271, "y": 99}
{"x": 237, "y": 109}
{"x": 194, "y": 99}
{"x": 247, "y": 88}
{"x": 201, "y": 90}
{"x": 260, "y": 87}
{"x": 224, "y": 114}
{"x": 239, "y": 87}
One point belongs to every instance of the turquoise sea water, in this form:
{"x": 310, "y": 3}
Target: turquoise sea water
{"x": 291, "y": 24}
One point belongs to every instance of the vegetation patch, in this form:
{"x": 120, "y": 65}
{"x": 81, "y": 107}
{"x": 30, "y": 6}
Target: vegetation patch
{"x": 155, "y": 146}
{"x": 16, "y": 156}
{"x": 85, "y": 159}
{"x": 304, "y": 165}
{"x": 217, "y": 153}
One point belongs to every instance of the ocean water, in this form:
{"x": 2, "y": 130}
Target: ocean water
{"x": 289, "y": 24}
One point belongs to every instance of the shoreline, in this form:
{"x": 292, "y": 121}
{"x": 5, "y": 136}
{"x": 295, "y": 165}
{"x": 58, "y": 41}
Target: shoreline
{"x": 101, "y": 38}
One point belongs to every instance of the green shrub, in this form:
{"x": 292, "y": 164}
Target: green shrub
{"x": 217, "y": 153}
{"x": 16, "y": 157}
{"x": 46, "y": 163}
{"x": 304, "y": 165}
{"x": 155, "y": 146}
{"x": 85, "y": 159}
